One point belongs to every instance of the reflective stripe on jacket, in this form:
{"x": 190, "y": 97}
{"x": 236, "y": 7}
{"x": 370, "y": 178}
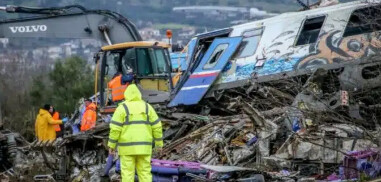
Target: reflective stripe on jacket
{"x": 56, "y": 116}
{"x": 117, "y": 89}
{"x": 135, "y": 125}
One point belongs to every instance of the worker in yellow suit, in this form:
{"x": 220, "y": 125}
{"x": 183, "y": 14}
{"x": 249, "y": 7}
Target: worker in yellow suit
{"x": 134, "y": 128}
{"x": 44, "y": 125}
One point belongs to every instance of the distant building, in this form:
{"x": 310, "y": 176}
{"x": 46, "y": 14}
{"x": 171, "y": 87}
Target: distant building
{"x": 55, "y": 52}
{"x": 222, "y": 12}
{"x": 66, "y": 49}
{"x": 211, "y": 9}
{"x": 90, "y": 43}
{"x": 38, "y": 53}
{"x": 216, "y": 12}
{"x": 149, "y": 32}
{"x": 187, "y": 33}
{"x": 4, "y": 42}
{"x": 256, "y": 13}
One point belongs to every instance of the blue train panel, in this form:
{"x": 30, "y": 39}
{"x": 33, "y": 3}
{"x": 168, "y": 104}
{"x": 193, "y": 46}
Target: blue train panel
{"x": 206, "y": 73}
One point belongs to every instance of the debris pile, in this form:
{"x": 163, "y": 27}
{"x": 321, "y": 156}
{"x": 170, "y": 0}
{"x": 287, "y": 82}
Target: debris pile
{"x": 213, "y": 143}
{"x": 319, "y": 126}
{"x": 290, "y": 128}
{"x": 252, "y": 141}
{"x": 13, "y": 156}
{"x": 361, "y": 164}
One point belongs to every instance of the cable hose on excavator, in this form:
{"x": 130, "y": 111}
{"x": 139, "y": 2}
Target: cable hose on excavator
{"x": 49, "y": 11}
{"x": 305, "y": 7}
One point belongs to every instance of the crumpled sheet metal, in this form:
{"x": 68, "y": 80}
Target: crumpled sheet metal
{"x": 308, "y": 151}
{"x": 316, "y": 144}
{"x": 86, "y": 158}
{"x": 29, "y": 164}
{"x": 201, "y": 145}
{"x": 329, "y": 149}
{"x": 241, "y": 153}
{"x": 226, "y": 169}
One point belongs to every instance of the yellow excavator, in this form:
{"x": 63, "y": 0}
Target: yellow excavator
{"x": 123, "y": 50}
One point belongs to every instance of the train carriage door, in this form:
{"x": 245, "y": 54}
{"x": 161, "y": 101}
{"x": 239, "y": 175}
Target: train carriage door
{"x": 206, "y": 73}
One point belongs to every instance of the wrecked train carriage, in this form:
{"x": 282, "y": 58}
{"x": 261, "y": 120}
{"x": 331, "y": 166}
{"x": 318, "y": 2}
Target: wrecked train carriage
{"x": 307, "y": 80}
{"x": 277, "y": 56}
{"x": 269, "y": 69}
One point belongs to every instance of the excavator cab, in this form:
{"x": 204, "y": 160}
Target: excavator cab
{"x": 126, "y": 53}
{"x": 150, "y": 64}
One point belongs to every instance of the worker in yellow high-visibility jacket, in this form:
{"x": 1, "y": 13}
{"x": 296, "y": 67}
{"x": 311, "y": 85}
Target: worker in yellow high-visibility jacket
{"x": 134, "y": 128}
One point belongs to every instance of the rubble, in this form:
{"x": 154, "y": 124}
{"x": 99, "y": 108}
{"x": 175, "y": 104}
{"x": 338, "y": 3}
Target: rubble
{"x": 292, "y": 129}
{"x": 307, "y": 125}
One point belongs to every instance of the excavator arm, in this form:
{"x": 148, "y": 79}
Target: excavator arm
{"x": 69, "y": 22}
{"x": 125, "y": 46}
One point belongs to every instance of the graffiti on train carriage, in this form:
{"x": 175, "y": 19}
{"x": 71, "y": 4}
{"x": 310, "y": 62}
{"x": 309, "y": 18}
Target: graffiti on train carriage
{"x": 330, "y": 48}
{"x": 336, "y": 50}
{"x": 292, "y": 42}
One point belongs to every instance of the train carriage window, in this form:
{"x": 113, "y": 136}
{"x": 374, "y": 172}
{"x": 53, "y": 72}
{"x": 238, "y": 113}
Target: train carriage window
{"x": 364, "y": 20}
{"x": 249, "y": 43}
{"x": 215, "y": 56}
{"x": 311, "y": 30}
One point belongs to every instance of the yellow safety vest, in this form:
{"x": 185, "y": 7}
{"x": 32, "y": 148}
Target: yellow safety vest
{"x": 135, "y": 126}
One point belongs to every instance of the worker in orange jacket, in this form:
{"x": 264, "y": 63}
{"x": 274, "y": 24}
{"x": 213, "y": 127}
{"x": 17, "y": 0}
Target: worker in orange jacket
{"x": 90, "y": 116}
{"x": 118, "y": 85}
{"x": 55, "y": 116}
{"x": 117, "y": 88}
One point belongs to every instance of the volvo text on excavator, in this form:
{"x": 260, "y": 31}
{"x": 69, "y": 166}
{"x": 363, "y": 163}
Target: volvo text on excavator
{"x": 124, "y": 49}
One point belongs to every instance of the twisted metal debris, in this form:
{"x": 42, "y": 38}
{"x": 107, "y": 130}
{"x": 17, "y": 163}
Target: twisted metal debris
{"x": 286, "y": 129}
